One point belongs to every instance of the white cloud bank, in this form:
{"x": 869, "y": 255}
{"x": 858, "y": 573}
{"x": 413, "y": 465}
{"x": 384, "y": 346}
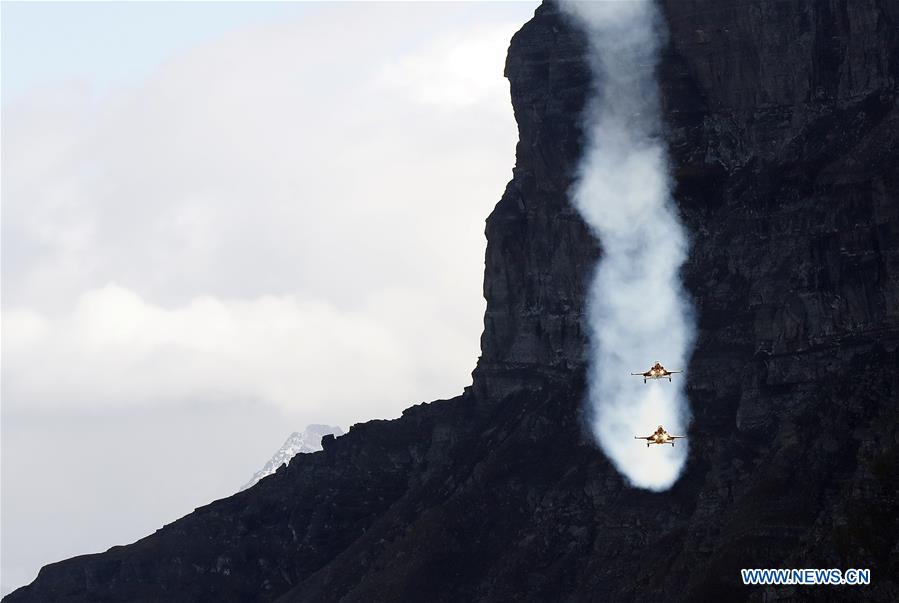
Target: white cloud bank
{"x": 116, "y": 349}
{"x": 290, "y": 213}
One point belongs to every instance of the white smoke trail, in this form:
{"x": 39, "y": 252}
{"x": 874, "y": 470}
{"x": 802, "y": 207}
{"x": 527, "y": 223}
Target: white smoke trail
{"x": 637, "y": 309}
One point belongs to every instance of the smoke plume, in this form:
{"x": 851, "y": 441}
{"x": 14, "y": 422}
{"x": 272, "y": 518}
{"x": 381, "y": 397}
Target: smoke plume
{"x": 637, "y": 309}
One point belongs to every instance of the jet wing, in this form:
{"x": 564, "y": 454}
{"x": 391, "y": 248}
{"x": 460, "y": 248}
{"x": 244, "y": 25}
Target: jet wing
{"x": 671, "y": 437}
{"x": 643, "y": 437}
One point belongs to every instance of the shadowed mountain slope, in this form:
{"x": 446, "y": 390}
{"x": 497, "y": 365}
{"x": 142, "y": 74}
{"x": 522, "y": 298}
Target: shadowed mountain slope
{"x": 783, "y": 128}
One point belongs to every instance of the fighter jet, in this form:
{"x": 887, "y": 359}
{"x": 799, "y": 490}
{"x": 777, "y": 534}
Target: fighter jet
{"x": 656, "y": 372}
{"x": 659, "y": 437}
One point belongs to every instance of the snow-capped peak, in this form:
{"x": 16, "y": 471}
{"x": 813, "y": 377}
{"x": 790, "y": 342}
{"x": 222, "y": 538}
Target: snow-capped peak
{"x": 309, "y": 440}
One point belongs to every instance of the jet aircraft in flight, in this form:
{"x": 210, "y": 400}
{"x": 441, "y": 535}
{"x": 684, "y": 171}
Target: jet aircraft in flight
{"x": 657, "y": 371}
{"x": 659, "y": 437}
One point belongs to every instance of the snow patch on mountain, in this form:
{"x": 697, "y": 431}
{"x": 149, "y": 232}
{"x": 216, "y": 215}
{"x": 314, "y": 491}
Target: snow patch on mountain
{"x": 309, "y": 440}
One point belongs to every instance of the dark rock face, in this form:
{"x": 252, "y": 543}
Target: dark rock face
{"x": 783, "y": 127}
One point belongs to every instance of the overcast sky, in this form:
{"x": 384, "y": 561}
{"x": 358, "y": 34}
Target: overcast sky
{"x": 220, "y": 223}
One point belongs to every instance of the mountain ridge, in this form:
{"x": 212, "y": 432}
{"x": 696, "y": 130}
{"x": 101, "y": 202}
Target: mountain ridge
{"x": 309, "y": 440}
{"x": 783, "y": 130}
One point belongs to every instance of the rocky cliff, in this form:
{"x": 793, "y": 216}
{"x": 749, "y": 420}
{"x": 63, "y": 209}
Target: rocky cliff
{"x": 783, "y": 127}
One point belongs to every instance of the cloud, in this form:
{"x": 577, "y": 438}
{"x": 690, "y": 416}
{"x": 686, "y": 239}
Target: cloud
{"x": 114, "y": 349}
{"x": 264, "y": 216}
{"x": 457, "y": 69}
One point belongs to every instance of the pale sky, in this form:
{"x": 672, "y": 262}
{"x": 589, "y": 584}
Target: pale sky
{"x": 222, "y": 222}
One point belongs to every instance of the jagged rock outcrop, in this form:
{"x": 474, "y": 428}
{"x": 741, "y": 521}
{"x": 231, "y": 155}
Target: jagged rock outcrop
{"x": 783, "y": 128}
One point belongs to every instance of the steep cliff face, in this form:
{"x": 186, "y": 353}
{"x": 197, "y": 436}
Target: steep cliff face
{"x": 783, "y": 127}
